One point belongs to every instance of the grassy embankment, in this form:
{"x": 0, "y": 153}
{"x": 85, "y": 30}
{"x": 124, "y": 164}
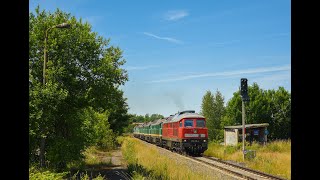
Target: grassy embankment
{"x": 146, "y": 162}
{"x": 274, "y": 158}
{"x": 94, "y": 160}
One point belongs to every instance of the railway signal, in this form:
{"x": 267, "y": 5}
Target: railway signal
{"x": 244, "y": 89}
{"x": 245, "y": 98}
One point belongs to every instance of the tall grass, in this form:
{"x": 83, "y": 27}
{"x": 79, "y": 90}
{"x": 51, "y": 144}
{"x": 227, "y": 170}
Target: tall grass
{"x": 94, "y": 156}
{"x": 274, "y": 158}
{"x": 145, "y": 161}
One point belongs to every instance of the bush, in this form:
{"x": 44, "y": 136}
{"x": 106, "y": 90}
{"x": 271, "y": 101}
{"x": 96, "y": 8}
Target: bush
{"x": 36, "y": 174}
{"x": 231, "y": 149}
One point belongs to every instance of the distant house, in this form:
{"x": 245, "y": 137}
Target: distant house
{"x": 254, "y": 132}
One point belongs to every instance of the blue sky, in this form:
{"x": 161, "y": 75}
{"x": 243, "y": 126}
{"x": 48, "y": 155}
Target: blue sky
{"x": 177, "y": 50}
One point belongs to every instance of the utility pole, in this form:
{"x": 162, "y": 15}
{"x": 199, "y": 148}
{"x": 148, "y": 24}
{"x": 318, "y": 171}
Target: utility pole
{"x": 45, "y": 59}
{"x": 243, "y": 128}
{"x": 245, "y": 97}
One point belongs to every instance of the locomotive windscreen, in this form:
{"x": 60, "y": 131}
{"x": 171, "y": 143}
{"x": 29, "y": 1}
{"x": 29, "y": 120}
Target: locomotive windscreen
{"x": 201, "y": 123}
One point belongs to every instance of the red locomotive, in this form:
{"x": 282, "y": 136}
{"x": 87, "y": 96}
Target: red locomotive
{"x": 185, "y": 132}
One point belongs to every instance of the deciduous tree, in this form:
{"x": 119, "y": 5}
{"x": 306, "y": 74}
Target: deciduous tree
{"x": 83, "y": 71}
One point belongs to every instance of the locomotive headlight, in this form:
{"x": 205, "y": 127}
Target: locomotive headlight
{"x": 184, "y": 140}
{"x": 204, "y": 140}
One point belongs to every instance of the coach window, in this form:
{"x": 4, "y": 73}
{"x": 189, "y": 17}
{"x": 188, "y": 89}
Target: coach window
{"x": 180, "y": 123}
{"x": 188, "y": 123}
{"x": 200, "y": 123}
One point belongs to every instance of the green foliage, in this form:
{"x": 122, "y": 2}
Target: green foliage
{"x": 207, "y": 111}
{"x": 232, "y": 149}
{"x": 233, "y": 111}
{"x": 265, "y": 106}
{"x": 97, "y": 128}
{"x": 212, "y": 108}
{"x": 81, "y": 103}
{"x": 280, "y": 110}
{"x": 145, "y": 118}
{"x": 36, "y": 174}
{"x": 120, "y": 139}
{"x": 129, "y": 129}
{"x": 85, "y": 176}
{"x": 137, "y": 176}
{"x": 154, "y": 117}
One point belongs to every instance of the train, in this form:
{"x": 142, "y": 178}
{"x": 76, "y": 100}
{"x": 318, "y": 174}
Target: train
{"x": 185, "y": 132}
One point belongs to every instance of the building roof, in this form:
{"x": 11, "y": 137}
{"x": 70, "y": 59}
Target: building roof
{"x": 247, "y": 126}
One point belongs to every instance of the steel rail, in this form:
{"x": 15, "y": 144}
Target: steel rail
{"x": 253, "y": 172}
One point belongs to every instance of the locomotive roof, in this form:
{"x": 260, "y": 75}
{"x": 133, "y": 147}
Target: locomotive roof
{"x": 182, "y": 115}
{"x": 155, "y": 122}
{"x": 158, "y": 121}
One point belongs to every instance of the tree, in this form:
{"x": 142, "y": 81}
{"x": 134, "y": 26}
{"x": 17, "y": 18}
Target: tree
{"x": 136, "y": 118}
{"x": 155, "y": 117}
{"x": 213, "y": 110}
{"x": 83, "y": 71}
{"x": 233, "y": 111}
{"x": 258, "y": 107}
{"x": 265, "y": 106}
{"x": 207, "y": 110}
{"x": 218, "y": 114}
{"x": 280, "y": 113}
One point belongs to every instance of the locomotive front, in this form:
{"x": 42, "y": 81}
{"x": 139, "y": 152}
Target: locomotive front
{"x": 193, "y": 133}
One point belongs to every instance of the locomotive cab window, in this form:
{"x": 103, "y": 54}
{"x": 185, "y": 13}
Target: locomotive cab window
{"x": 180, "y": 123}
{"x": 188, "y": 123}
{"x": 200, "y": 123}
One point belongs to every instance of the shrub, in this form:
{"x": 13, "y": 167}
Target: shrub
{"x": 36, "y": 174}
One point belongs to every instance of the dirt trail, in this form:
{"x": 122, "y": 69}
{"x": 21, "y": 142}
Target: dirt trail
{"x": 116, "y": 171}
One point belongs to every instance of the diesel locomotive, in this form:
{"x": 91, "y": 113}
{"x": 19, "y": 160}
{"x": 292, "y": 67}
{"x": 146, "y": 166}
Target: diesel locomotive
{"x": 184, "y": 132}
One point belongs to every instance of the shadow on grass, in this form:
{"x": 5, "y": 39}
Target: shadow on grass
{"x": 99, "y": 171}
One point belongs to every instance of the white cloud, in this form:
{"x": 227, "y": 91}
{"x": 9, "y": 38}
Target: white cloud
{"x": 175, "y": 15}
{"x": 228, "y": 73}
{"x": 274, "y": 80}
{"x": 163, "y": 38}
{"x": 140, "y": 67}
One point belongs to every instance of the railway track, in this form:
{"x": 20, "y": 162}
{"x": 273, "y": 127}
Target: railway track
{"x": 237, "y": 170}
{"x": 229, "y": 168}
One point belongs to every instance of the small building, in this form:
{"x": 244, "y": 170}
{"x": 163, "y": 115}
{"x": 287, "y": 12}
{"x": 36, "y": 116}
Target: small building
{"x": 254, "y": 132}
